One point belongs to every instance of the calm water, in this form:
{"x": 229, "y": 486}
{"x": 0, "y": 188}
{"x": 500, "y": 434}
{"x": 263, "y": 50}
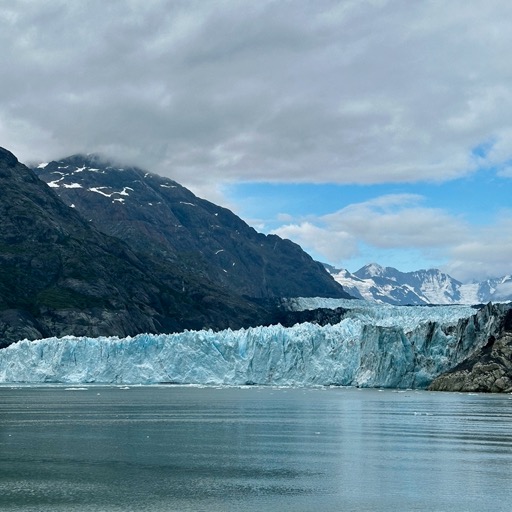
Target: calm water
{"x": 256, "y": 449}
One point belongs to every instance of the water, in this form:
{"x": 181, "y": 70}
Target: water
{"x": 167, "y": 448}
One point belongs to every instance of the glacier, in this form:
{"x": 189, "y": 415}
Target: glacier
{"x": 392, "y": 346}
{"x": 385, "y": 315}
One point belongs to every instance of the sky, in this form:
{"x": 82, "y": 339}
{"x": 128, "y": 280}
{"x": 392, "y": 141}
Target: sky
{"x": 364, "y": 130}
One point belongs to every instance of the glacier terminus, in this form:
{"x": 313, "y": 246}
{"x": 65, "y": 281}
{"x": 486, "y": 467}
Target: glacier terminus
{"x": 372, "y": 346}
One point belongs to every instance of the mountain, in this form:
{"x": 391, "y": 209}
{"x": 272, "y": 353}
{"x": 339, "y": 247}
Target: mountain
{"x": 388, "y": 285}
{"x": 59, "y": 275}
{"x": 162, "y": 220}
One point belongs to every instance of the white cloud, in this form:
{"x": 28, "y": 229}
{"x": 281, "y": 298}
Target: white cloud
{"x": 504, "y": 290}
{"x": 505, "y": 172}
{"x": 386, "y": 222}
{"x": 332, "y": 245}
{"x": 284, "y": 217}
{"x": 485, "y": 252}
{"x": 393, "y": 223}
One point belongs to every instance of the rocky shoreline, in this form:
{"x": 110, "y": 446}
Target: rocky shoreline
{"x": 487, "y": 370}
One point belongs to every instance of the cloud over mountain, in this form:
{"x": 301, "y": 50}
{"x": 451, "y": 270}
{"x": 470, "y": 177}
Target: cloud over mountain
{"x": 345, "y": 92}
{"x": 219, "y": 93}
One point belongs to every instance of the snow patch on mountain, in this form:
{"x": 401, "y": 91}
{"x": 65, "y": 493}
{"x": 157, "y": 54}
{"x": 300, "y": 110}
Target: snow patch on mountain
{"x": 374, "y": 269}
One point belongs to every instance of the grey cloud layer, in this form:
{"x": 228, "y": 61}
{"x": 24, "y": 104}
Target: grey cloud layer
{"x": 353, "y": 91}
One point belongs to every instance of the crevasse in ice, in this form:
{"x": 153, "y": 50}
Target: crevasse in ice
{"x": 373, "y": 346}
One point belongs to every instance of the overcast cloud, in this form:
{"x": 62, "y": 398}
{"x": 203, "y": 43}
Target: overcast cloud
{"x": 347, "y": 91}
{"x": 209, "y": 93}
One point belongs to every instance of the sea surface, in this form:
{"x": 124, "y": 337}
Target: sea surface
{"x": 176, "y": 448}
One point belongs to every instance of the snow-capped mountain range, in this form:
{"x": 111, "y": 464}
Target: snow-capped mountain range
{"x": 387, "y": 285}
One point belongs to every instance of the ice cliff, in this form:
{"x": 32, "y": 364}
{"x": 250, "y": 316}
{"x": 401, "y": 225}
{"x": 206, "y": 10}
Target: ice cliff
{"x": 397, "y": 347}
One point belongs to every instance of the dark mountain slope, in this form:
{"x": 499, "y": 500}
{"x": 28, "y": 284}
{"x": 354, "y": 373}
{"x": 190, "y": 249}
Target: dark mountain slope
{"x": 164, "y": 221}
{"x": 59, "y": 275}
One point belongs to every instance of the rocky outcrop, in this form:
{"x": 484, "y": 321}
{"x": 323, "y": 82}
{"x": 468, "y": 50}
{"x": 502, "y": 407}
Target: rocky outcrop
{"x": 488, "y": 369}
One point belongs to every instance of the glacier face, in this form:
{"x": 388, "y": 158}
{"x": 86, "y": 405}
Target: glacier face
{"x": 371, "y": 347}
{"x": 385, "y": 315}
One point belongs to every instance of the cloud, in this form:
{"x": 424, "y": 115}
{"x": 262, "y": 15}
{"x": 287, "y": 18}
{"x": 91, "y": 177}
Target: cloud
{"x": 395, "y": 223}
{"x": 485, "y": 253}
{"x": 332, "y": 245}
{"x": 506, "y": 171}
{"x": 387, "y": 222}
{"x": 351, "y": 92}
{"x": 504, "y": 290}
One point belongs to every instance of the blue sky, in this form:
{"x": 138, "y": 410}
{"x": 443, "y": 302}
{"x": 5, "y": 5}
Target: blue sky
{"x": 365, "y": 130}
{"x": 475, "y": 202}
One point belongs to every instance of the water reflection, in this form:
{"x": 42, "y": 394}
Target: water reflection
{"x": 178, "y": 448}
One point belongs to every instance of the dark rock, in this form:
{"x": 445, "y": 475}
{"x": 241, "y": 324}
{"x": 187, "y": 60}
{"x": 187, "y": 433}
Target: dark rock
{"x": 489, "y": 368}
{"x": 7, "y": 158}
{"x": 16, "y": 324}
{"x": 320, "y": 316}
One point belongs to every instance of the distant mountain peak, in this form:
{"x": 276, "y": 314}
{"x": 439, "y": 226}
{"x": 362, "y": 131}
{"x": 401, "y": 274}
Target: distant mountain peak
{"x": 371, "y": 270}
{"x": 432, "y": 286}
{"x": 374, "y": 269}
